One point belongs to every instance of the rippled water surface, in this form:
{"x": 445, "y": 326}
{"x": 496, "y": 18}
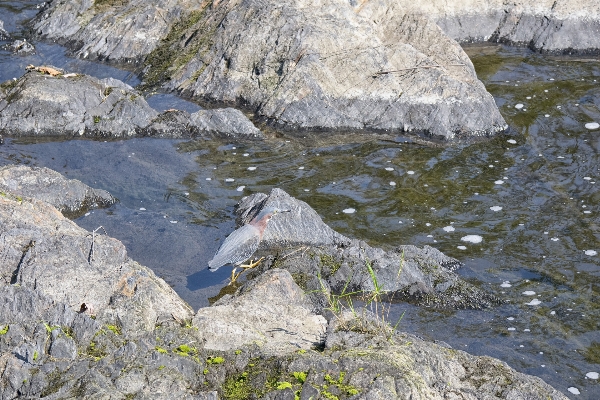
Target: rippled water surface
{"x": 531, "y": 197}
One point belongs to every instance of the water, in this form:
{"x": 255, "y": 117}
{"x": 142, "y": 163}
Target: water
{"x": 520, "y": 210}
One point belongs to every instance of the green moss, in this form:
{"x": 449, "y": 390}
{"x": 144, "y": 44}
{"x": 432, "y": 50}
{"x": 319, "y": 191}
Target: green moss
{"x": 161, "y": 367}
{"x": 160, "y": 350}
{"x": 35, "y": 355}
{"x": 49, "y": 328}
{"x": 4, "y": 330}
{"x": 68, "y": 331}
{"x": 115, "y": 329}
{"x": 284, "y": 385}
{"x": 329, "y": 264}
{"x": 185, "y": 350}
{"x": 96, "y": 119}
{"x": 300, "y": 377}
{"x": 339, "y": 384}
{"x": 96, "y": 351}
{"x": 215, "y": 360}
{"x": 183, "y": 42}
{"x": 237, "y": 388}
{"x": 592, "y": 353}
{"x": 238, "y": 352}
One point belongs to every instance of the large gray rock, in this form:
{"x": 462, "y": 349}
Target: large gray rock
{"x": 556, "y": 26}
{"x": 276, "y": 316}
{"x": 42, "y": 250}
{"x": 70, "y": 196}
{"x": 315, "y": 255}
{"x": 78, "y": 105}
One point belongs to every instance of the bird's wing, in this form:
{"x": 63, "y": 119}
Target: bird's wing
{"x": 237, "y": 247}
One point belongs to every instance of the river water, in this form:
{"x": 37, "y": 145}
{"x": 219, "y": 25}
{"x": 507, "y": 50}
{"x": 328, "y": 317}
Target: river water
{"x": 531, "y": 196}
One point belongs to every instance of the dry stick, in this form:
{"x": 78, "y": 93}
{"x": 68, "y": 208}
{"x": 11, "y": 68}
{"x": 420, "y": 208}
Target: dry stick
{"x": 91, "y": 254}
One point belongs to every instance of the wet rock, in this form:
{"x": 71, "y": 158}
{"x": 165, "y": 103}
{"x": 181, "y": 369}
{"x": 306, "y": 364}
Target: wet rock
{"x": 308, "y": 248}
{"x": 71, "y": 197}
{"x": 46, "y": 101}
{"x": 42, "y": 250}
{"x": 271, "y": 311}
{"x": 221, "y": 122}
{"x": 21, "y": 47}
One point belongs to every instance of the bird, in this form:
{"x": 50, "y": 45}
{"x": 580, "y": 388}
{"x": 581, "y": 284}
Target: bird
{"x": 241, "y": 244}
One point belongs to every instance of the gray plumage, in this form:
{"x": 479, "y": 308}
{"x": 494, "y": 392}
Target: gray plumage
{"x": 241, "y": 244}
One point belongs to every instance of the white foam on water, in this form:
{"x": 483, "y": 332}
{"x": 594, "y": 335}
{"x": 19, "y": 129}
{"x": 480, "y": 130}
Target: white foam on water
{"x": 554, "y": 239}
{"x": 209, "y": 179}
{"x": 499, "y": 182}
{"x": 587, "y": 178}
{"x": 560, "y": 157}
{"x": 496, "y": 208}
{"x": 173, "y": 222}
{"x": 142, "y": 209}
{"x": 251, "y": 168}
{"x": 552, "y": 312}
{"x": 392, "y": 183}
{"x": 547, "y": 115}
{"x": 449, "y": 228}
{"x": 592, "y": 375}
{"x": 472, "y": 239}
{"x": 574, "y": 390}
{"x": 528, "y": 293}
{"x": 87, "y": 213}
{"x": 186, "y": 194}
{"x": 528, "y": 97}
{"x": 245, "y": 154}
{"x": 389, "y": 168}
{"x": 241, "y": 188}
{"x": 534, "y": 302}
{"x": 410, "y": 172}
{"x": 429, "y": 236}
{"x": 591, "y": 252}
{"x": 592, "y": 125}
{"x": 307, "y": 190}
{"x": 511, "y": 318}
{"x": 461, "y": 247}
{"x": 526, "y": 330}
{"x": 505, "y": 284}
{"x": 349, "y": 211}
{"x": 587, "y": 212}
{"x": 300, "y": 167}
{"x": 519, "y": 106}
{"x": 229, "y": 180}
{"x": 427, "y": 224}
{"x": 512, "y": 141}
{"x": 512, "y": 329}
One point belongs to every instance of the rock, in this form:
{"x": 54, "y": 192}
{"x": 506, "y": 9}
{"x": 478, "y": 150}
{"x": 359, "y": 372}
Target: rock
{"x": 70, "y": 196}
{"x": 270, "y": 311}
{"x": 366, "y": 67}
{"x": 221, "y": 122}
{"x": 42, "y": 250}
{"x": 21, "y": 47}
{"x": 369, "y": 66}
{"x": 423, "y": 276}
{"x": 61, "y": 104}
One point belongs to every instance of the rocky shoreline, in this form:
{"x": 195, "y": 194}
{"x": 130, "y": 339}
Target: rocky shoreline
{"x": 81, "y": 319}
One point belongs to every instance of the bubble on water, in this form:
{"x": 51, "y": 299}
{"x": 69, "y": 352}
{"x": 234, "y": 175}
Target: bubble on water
{"x": 587, "y": 178}
{"x": 300, "y": 167}
{"x": 429, "y": 236}
{"x": 496, "y": 208}
{"x": 209, "y": 179}
{"x": 461, "y": 247}
{"x": 511, "y": 318}
{"x": 554, "y": 239}
{"x": 529, "y": 293}
{"x": 241, "y": 188}
{"x": 519, "y": 106}
{"x": 547, "y": 115}
{"x": 587, "y": 212}
{"x": 592, "y": 125}
{"x": 512, "y": 329}
{"x": 505, "y": 284}
{"x": 245, "y": 154}
{"x": 142, "y": 209}
{"x": 427, "y": 224}
{"x": 592, "y": 375}
{"x": 449, "y": 228}
{"x": 86, "y": 214}
{"x": 574, "y": 390}
{"x": 392, "y": 183}
{"x": 389, "y": 169}
{"x": 410, "y": 172}
{"x": 534, "y": 302}
{"x": 512, "y": 141}
{"x": 251, "y": 168}
{"x": 173, "y": 222}
{"x": 551, "y": 79}
{"x": 552, "y": 312}
{"x": 349, "y": 211}
{"x": 560, "y": 157}
{"x": 307, "y": 190}
{"x": 499, "y": 182}
{"x": 229, "y": 180}
{"x": 591, "y": 252}
{"x": 526, "y": 330}
{"x": 472, "y": 238}
{"x": 186, "y": 194}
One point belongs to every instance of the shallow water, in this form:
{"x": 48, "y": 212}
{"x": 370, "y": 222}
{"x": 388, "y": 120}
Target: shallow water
{"x": 531, "y": 197}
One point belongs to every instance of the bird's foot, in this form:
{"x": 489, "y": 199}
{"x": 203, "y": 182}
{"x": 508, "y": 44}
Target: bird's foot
{"x": 244, "y": 267}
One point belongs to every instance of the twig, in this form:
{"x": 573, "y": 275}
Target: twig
{"x": 420, "y": 66}
{"x": 91, "y": 254}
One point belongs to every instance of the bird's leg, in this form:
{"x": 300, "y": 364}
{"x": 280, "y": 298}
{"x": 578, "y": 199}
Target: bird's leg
{"x": 244, "y": 267}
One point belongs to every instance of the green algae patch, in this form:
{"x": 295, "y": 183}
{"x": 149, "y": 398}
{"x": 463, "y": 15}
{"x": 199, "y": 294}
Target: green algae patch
{"x": 215, "y": 360}
{"x": 4, "y": 330}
